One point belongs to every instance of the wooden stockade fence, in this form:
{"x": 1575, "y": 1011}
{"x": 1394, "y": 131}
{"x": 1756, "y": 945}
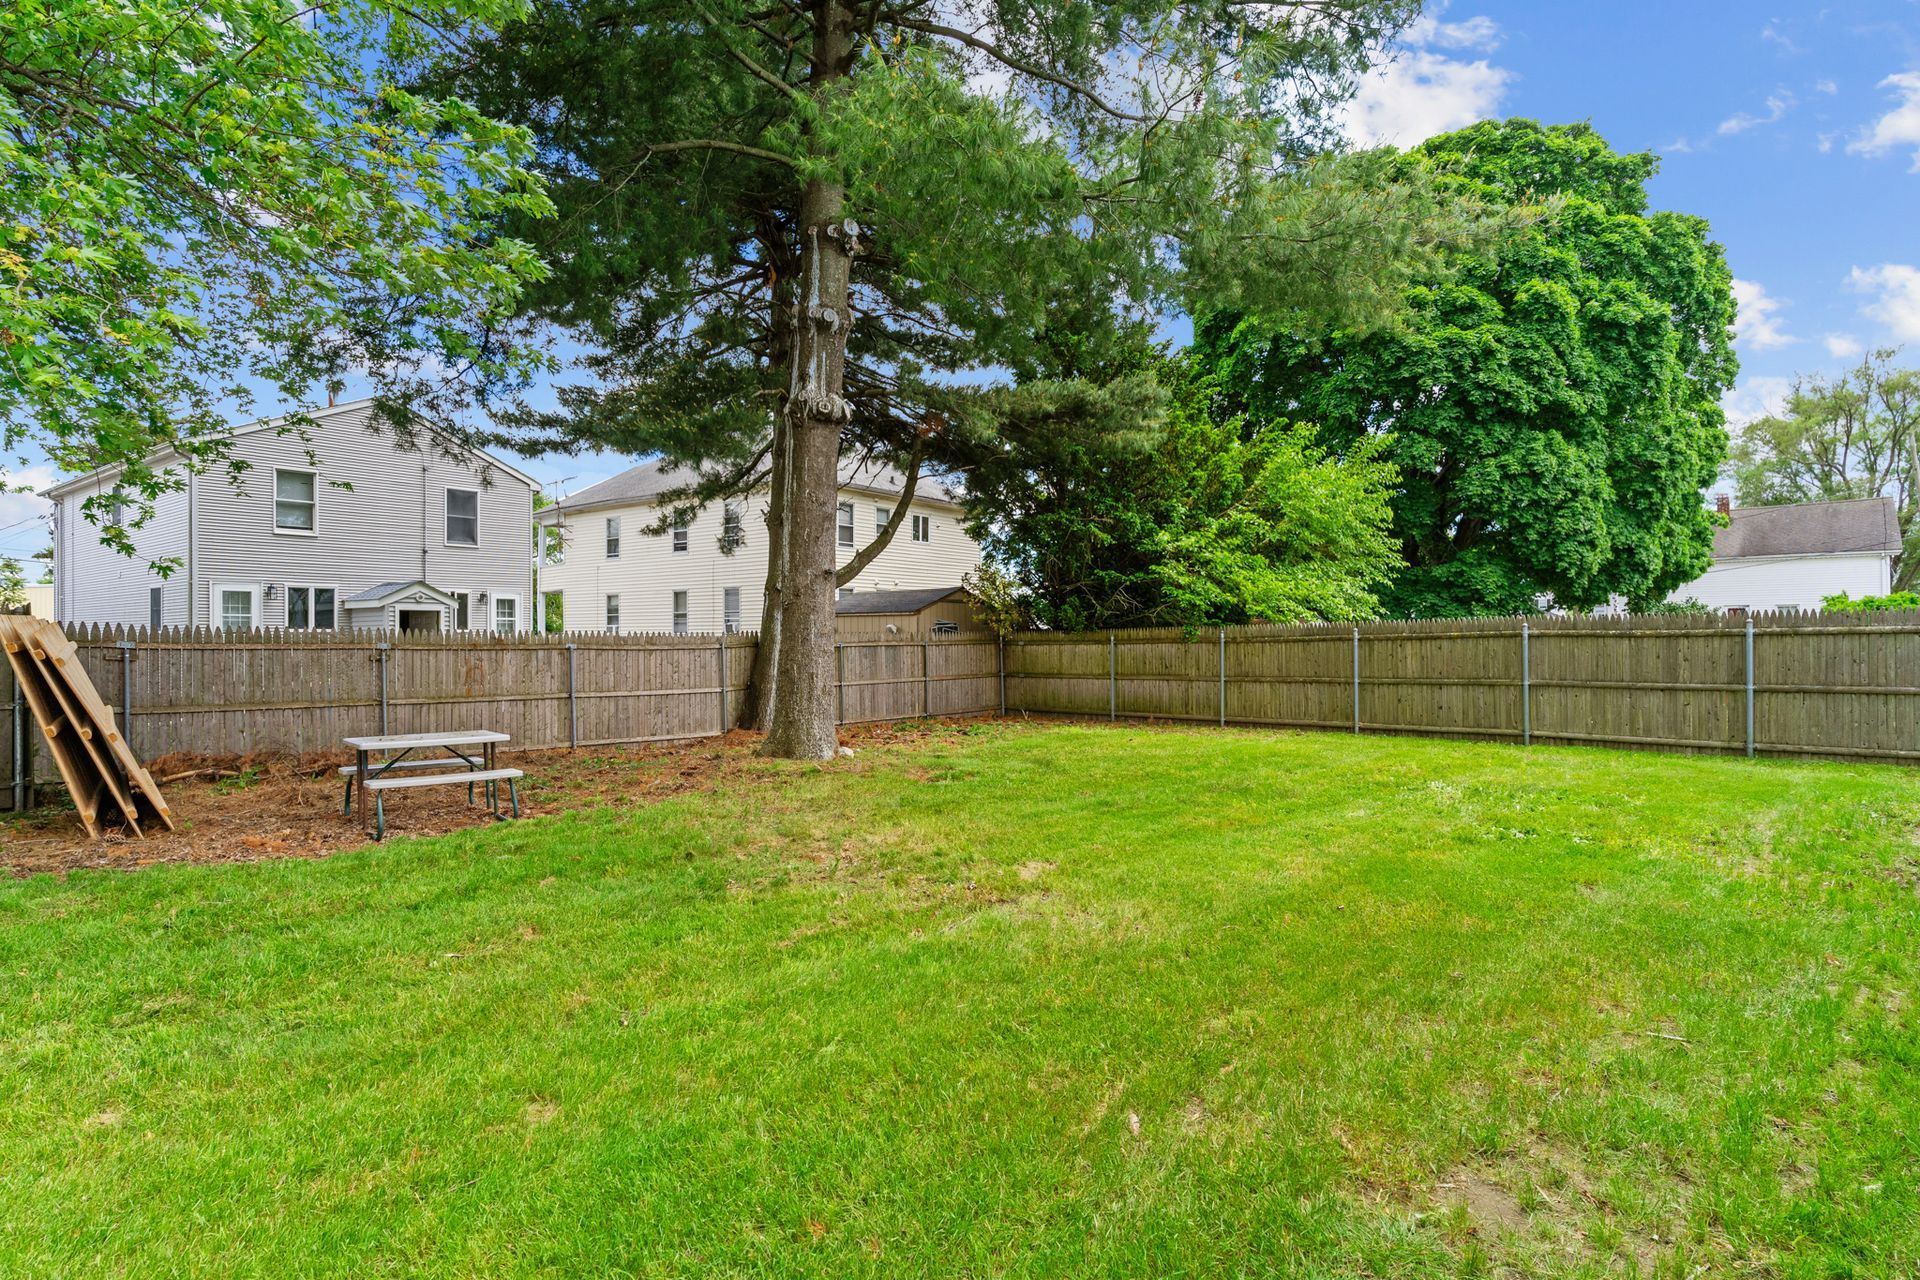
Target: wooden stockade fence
{"x": 1837, "y": 685}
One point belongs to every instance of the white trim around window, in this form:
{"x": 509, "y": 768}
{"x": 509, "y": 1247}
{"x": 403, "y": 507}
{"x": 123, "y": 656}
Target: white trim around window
{"x": 316, "y": 607}
{"x": 450, "y": 517}
{"x": 512, "y": 623}
{"x": 225, "y": 620}
{"x": 290, "y": 506}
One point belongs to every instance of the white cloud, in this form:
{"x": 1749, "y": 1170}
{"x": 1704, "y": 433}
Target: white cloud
{"x": 1423, "y": 91}
{"x": 1772, "y": 34}
{"x": 1843, "y": 346}
{"x": 1900, "y": 127}
{"x": 1896, "y": 290}
{"x": 1758, "y": 323}
{"x": 1778, "y": 104}
{"x": 1756, "y": 397}
{"x": 1479, "y": 33}
{"x": 1828, "y": 87}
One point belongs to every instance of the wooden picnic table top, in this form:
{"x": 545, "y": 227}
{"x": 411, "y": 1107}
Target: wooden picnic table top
{"x": 409, "y": 741}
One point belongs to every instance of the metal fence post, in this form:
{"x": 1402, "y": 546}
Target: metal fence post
{"x": 1223, "y": 677}
{"x": 1526, "y": 687}
{"x": 1356, "y": 679}
{"x": 573, "y": 702}
{"x": 1113, "y": 678}
{"x": 1749, "y": 685}
{"x": 926, "y": 678}
{"x": 724, "y": 707}
{"x": 840, "y": 684}
{"x": 380, "y": 656}
{"x": 126, "y": 691}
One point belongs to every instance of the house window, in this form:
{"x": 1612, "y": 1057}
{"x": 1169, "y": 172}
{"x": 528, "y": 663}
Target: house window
{"x": 116, "y": 513}
{"x": 310, "y": 608}
{"x": 881, "y": 515}
{"x": 681, "y": 523}
{"x": 922, "y": 529}
{"x": 680, "y": 613}
{"x": 463, "y": 517}
{"x": 945, "y": 627}
{"x": 613, "y": 613}
{"x": 846, "y": 524}
{"x": 236, "y": 605}
{"x": 462, "y": 610}
{"x": 506, "y": 615}
{"x": 154, "y": 610}
{"x": 613, "y": 537}
{"x": 293, "y": 501}
{"x": 733, "y": 529}
{"x": 730, "y": 610}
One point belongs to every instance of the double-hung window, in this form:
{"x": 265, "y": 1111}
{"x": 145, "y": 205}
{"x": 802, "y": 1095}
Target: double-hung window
{"x": 310, "y": 608}
{"x": 462, "y": 610}
{"x": 846, "y": 524}
{"x": 681, "y": 526}
{"x": 155, "y": 611}
{"x": 680, "y": 626}
{"x": 881, "y": 515}
{"x": 733, "y": 530}
{"x": 730, "y": 610}
{"x": 463, "y": 517}
{"x": 613, "y": 537}
{"x": 506, "y": 614}
{"x": 613, "y": 614}
{"x": 294, "y": 494}
{"x": 923, "y": 529}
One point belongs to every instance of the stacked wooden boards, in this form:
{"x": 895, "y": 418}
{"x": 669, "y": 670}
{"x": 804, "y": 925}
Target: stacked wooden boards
{"x": 107, "y": 783}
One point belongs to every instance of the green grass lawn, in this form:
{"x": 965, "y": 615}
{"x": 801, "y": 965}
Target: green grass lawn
{"x": 1012, "y": 1001}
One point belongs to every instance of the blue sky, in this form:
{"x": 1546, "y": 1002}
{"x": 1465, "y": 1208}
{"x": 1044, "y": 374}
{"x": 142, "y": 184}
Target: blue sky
{"x": 1794, "y": 129}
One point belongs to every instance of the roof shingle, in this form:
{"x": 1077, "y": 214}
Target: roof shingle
{"x": 1859, "y": 525}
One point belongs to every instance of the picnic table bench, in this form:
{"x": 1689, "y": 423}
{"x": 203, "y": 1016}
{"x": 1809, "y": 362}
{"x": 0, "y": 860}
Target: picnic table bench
{"x": 459, "y": 765}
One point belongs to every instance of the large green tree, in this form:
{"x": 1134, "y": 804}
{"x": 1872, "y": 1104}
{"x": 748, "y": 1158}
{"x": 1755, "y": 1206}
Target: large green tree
{"x": 202, "y": 201}
{"x": 1854, "y": 436}
{"x": 783, "y": 225}
{"x": 1142, "y": 501}
{"x": 1552, "y": 403}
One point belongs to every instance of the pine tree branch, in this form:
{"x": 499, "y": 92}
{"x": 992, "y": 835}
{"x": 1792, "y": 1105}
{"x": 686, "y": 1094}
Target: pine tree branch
{"x": 721, "y": 144}
{"x": 1018, "y": 64}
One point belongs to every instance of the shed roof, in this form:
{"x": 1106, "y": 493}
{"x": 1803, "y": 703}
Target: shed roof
{"x": 1855, "y": 526}
{"x": 647, "y": 481}
{"x": 906, "y": 601}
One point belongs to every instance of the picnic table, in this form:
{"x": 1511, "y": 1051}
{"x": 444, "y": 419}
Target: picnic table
{"x": 469, "y": 759}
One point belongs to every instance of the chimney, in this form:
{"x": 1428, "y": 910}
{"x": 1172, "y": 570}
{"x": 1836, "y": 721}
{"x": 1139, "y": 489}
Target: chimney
{"x": 1723, "y": 504}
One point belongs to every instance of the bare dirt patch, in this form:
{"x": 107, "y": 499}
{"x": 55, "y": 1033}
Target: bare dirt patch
{"x": 249, "y": 809}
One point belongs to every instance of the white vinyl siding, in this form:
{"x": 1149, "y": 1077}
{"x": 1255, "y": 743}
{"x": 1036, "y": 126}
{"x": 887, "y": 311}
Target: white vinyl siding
{"x": 647, "y": 573}
{"x": 295, "y": 500}
{"x": 1779, "y": 582}
{"x": 383, "y": 523}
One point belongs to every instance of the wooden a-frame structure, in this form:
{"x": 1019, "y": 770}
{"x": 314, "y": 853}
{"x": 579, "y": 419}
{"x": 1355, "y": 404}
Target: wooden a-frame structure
{"x": 106, "y": 780}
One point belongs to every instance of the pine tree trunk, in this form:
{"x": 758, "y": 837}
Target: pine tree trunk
{"x": 764, "y": 691}
{"x": 805, "y": 705}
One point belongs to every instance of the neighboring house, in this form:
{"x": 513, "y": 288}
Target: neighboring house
{"x": 932, "y": 611}
{"x": 1791, "y": 557}
{"x": 344, "y": 528}
{"x": 615, "y": 576}
{"x": 40, "y": 599}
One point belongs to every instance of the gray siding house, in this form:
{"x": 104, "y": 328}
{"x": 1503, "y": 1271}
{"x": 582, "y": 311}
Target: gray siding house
{"x": 342, "y": 528}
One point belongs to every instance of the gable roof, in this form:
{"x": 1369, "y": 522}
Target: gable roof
{"x": 1857, "y": 526}
{"x": 387, "y": 591}
{"x": 910, "y": 601}
{"x": 646, "y": 482}
{"x": 362, "y": 407}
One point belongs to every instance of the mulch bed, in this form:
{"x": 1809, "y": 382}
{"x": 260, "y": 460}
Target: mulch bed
{"x": 251, "y": 809}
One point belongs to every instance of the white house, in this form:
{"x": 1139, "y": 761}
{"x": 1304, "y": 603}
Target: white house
{"x": 710, "y": 574}
{"x": 1791, "y": 557}
{"x": 345, "y": 527}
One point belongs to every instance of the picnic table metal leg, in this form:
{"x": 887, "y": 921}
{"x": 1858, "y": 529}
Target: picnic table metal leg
{"x": 514, "y": 791}
{"x": 360, "y": 781}
{"x": 380, "y": 816}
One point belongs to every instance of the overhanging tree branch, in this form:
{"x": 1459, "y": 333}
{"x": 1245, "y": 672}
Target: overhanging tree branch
{"x": 1021, "y": 65}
